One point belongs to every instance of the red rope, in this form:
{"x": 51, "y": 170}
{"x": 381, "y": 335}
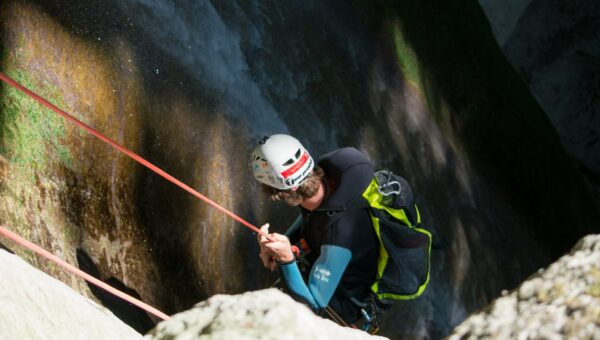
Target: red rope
{"x": 10, "y": 235}
{"x": 128, "y": 152}
{"x": 138, "y": 159}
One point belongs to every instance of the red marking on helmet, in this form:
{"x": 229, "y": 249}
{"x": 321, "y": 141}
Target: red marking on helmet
{"x": 295, "y": 167}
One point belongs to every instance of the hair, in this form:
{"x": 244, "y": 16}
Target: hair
{"x": 307, "y": 189}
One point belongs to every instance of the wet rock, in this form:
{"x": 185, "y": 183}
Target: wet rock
{"x": 554, "y": 46}
{"x": 37, "y": 306}
{"x": 265, "y": 314}
{"x": 559, "y": 302}
{"x": 332, "y": 80}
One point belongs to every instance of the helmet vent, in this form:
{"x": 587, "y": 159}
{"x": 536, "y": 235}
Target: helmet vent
{"x": 263, "y": 140}
{"x": 288, "y": 162}
{"x": 298, "y": 153}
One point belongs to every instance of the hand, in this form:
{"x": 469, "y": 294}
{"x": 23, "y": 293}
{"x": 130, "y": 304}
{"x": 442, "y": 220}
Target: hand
{"x": 266, "y": 255}
{"x": 279, "y": 247}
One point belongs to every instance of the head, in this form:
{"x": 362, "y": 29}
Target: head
{"x": 295, "y": 196}
{"x": 285, "y": 169}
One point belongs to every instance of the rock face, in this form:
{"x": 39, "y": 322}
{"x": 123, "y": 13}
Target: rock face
{"x": 555, "y": 46}
{"x": 504, "y": 16}
{"x": 37, "y": 306}
{"x": 192, "y": 86}
{"x": 560, "y": 302}
{"x": 265, "y": 314}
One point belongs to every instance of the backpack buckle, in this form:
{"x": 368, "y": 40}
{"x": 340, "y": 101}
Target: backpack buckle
{"x": 383, "y": 188}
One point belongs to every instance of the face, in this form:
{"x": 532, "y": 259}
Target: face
{"x": 313, "y": 202}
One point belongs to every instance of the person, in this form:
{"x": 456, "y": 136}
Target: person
{"x": 341, "y": 252}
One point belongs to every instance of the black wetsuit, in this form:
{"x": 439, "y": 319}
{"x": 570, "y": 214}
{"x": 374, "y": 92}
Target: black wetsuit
{"x": 334, "y": 226}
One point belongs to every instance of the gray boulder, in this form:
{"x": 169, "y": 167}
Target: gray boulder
{"x": 560, "y": 302}
{"x": 34, "y": 305}
{"x": 264, "y": 314}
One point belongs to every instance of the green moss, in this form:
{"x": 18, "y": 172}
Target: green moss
{"x": 31, "y": 134}
{"x": 448, "y": 51}
{"x": 71, "y": 234}
{"x": 405, "y": 55}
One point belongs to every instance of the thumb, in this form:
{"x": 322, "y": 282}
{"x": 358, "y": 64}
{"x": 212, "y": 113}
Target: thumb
{"x": 265, "y": 231}
{"x": 265, "y": 228}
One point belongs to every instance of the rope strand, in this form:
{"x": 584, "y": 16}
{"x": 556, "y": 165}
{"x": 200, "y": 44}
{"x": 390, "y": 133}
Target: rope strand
{"x": 138, "y": 159}
{"x": 127, "y": 152}
{"x": 38, "y": 250}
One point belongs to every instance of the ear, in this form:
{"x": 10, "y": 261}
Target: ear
{"x": 294, "y": 188}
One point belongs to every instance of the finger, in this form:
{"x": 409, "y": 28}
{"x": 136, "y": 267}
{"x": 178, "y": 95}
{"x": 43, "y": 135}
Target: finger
{"x": 268, "y": 242}
{"x": 273, "y": 245}
{"x": 267, "y": 254}
{"x": 266, "y": 260}
{"x": 278, "y": 237}
{"x": 260, "y": 234}
{"x": 270, "y": 246}
{"x": 265, "y": 231}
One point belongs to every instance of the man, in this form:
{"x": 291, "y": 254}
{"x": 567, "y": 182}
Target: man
{"x": 341, "y": 250}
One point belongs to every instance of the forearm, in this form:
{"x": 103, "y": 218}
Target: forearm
{"x": 324, "y": 277}
{"x": 295, "y": 283}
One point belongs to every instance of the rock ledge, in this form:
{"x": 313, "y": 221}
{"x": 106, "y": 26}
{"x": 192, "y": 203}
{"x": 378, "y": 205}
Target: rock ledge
{"x": 560, "y": 302}
{"x": 263, "y": 314}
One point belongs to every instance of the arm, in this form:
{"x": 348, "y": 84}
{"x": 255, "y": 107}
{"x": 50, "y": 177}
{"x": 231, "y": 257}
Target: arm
{"x": 265, "y": 255}
{"x": 324, "y": 276}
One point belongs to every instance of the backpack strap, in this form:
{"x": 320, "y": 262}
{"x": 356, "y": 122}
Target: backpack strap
{"x": 334, "y": 215}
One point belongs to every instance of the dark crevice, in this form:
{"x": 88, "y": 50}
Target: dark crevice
{"x": 6, "y": 248}
{"x": 128, "y": 313}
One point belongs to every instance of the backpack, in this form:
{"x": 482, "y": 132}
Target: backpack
{"x": 403, "y": 263}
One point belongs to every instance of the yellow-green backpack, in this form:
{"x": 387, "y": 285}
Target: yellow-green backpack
{"x": 403, "y": 264}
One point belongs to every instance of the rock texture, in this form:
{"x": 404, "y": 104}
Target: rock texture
{"x": 193, "y": 85}
{"x": 504, "y": 16}
{"x": 37, "y": 306}
{"x": 560, "y": 302}
{"x": 555, "y": 46}
{"x": 265, "y": 314}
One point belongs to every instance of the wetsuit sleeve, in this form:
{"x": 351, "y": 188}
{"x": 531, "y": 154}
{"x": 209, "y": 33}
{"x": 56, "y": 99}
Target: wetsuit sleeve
{"x": 324, "y": 276}
{"x": 293, "y": 232}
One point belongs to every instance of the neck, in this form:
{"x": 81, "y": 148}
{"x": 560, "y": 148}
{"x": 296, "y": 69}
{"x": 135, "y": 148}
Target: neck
{"x": 315, "y": 201}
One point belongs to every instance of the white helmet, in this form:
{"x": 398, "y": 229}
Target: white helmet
{"x": 281, "y": 162}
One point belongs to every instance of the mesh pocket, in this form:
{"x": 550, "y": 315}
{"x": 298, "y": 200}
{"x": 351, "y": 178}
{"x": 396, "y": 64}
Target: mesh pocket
{"x": 408, "y": 265}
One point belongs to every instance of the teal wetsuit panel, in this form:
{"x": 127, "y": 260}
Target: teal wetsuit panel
{"x": 324, "y": 276}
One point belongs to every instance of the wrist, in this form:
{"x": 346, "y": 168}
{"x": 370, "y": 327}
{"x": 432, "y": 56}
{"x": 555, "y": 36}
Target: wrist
{"x": 287, "y": 258}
